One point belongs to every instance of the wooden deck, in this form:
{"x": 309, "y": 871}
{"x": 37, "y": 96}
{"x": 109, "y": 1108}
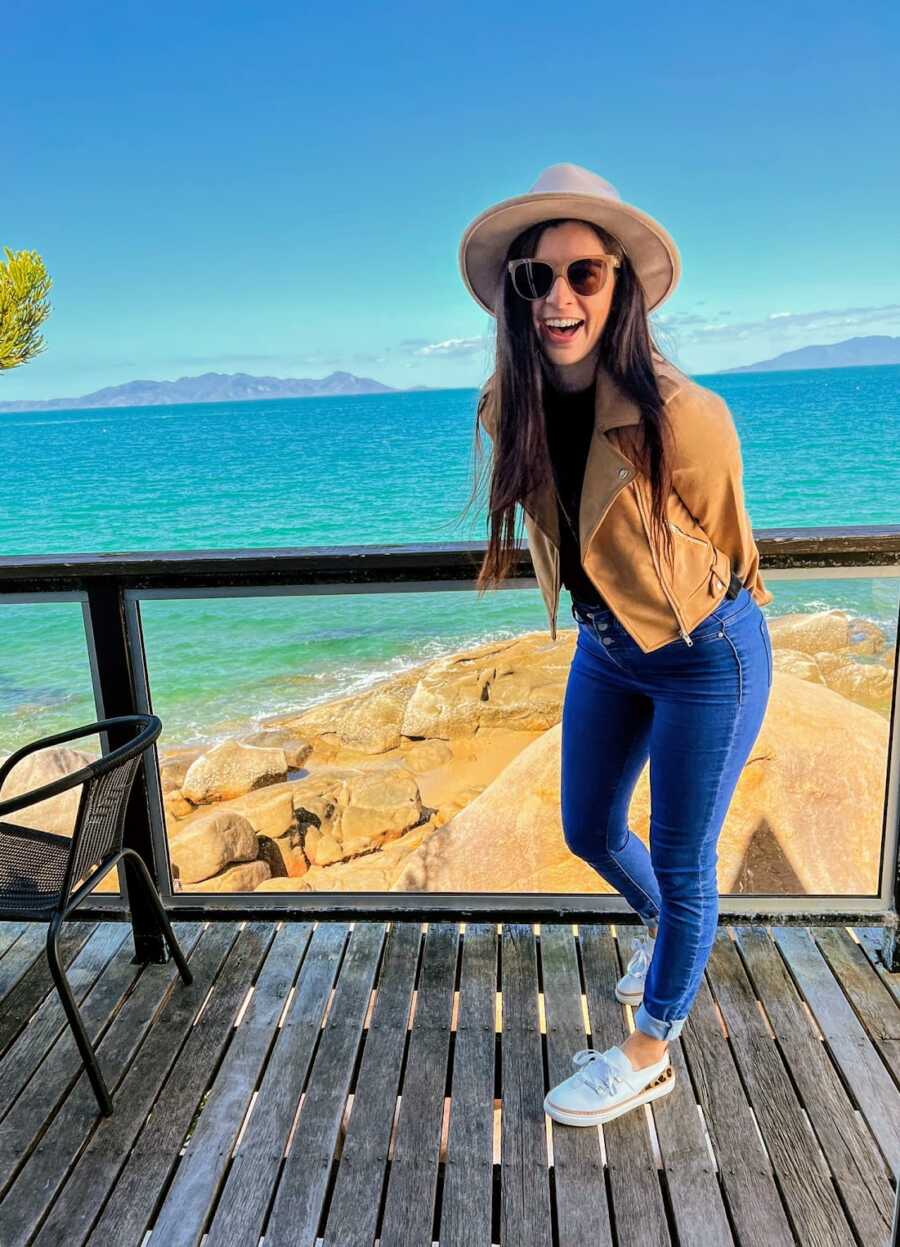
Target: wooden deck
{"x": 347, "y": 1084}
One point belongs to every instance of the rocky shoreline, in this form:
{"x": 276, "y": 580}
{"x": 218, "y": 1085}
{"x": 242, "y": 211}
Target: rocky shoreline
{"x": 446, "y": 778}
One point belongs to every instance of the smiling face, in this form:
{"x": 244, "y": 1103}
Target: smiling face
{"x": 572, "y": 359}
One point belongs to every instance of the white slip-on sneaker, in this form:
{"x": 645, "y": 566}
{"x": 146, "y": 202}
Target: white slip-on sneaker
{"x": 605, "y": 1086}
{"x": 630, "y": 987}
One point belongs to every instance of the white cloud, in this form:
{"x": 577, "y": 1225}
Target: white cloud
{"x": 452, "y": 347}
{"x": 691, "y": 328}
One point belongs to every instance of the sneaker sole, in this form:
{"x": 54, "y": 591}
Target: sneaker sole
{"x": 653, "y": 1091}
{"x": 626, "y": 999}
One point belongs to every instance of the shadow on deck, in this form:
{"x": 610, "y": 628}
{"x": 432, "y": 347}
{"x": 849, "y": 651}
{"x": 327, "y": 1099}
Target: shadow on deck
{"x": 358, "y": 1083}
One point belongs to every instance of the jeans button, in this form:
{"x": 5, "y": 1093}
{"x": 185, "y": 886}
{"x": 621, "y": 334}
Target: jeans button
{"x": 602, "y": 624}
{"x": 607, "y": 640}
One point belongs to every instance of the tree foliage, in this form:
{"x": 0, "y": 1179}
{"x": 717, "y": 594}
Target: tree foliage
{"x": 24, "y": 286}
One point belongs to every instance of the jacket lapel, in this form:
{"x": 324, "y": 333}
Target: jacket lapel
{"x": 540, "y": 504}
{"x": 613, "y": 409}
{"x": 602, "y": 482}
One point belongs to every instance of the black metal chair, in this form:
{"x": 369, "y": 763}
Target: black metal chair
{"x": 39, "y": 870}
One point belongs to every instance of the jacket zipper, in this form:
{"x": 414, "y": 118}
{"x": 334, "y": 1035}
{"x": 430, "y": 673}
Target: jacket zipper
{"x": 562, "y": 507}
{"x": 557, "y": 587}
{"x": 681, "y": 628}
{"x": 557, "y": 580}
{"x": 575, "y": 535}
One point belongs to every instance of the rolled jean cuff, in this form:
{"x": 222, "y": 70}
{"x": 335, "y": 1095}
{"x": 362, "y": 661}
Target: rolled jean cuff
{"x": 655, "y": 1027}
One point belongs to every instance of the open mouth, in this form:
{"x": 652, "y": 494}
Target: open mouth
{"x": 558, "y": 333}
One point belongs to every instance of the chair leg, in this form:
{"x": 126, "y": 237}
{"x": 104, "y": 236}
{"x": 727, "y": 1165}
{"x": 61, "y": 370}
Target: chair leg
{"x": 71, "y": 1010}
{"x": 174, "y": 946}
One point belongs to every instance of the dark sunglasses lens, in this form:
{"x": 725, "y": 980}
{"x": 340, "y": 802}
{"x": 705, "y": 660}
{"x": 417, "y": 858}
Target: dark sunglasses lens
{"x": 533, "y": 279}
{"x": 587, "y": 276}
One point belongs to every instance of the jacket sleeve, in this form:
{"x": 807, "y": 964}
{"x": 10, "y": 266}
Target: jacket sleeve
{"x": 708, "y": 477}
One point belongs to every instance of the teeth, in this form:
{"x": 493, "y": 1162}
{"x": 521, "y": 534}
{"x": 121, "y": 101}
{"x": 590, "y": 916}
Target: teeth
{"x": 557, "y": 321}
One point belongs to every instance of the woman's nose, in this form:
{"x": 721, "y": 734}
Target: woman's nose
{"x": 559, "y": 292}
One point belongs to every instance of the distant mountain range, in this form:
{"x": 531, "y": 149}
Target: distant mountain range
{"x": 223, "y": 387}
{"x": 852, "y": 353}
{"x": 211, "y": 387}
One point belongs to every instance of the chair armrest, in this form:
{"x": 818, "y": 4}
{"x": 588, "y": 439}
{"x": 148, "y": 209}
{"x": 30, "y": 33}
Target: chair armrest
{"x": 150, "y": 728}
{"x": 56, "y": 786}
{"x": 46, "y": 742}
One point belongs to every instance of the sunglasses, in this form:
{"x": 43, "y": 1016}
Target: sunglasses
{"x": 533, "y": 279}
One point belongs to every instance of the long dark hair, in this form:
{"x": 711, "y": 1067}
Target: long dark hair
{"x": 520, "y": 461}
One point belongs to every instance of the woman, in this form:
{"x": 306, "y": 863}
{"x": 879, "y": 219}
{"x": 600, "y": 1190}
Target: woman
{"x": 630, "y": 477}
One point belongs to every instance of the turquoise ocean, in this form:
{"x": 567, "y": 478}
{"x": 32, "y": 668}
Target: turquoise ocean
{"x": 820, "y": 448}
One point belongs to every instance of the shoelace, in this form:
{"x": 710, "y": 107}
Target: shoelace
{"x": 595, "y": 1070}
{"x": 643, "y": 952}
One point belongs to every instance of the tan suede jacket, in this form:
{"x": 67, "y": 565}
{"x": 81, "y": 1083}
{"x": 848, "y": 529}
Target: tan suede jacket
{"x": 710, "y": 525}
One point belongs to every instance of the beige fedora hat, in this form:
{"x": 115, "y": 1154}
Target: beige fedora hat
{"x": 567, "y": 190}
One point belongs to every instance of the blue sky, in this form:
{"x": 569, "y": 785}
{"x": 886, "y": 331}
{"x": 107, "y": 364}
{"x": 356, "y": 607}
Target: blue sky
{"x": 281, "y": 189}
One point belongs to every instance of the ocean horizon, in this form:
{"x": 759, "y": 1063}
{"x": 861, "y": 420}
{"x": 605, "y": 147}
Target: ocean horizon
{"x": 820, "y": 447}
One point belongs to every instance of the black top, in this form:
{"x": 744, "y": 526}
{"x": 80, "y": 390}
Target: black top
{"x": 569, "y": 420}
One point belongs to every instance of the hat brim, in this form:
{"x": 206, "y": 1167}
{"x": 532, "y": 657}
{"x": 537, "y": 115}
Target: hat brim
{"x": 484, "y": 245}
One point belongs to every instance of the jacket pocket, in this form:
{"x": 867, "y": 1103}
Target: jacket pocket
{"x": 693, "y": 557}
{"x": 698, "y": 540}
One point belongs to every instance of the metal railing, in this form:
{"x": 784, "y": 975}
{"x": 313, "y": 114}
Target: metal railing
{"x": 111, "y": 586}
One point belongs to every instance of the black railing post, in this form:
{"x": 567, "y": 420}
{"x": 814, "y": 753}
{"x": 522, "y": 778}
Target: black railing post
{"x": 116, "y": 690}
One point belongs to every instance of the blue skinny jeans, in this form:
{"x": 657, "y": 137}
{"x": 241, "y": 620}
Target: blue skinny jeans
{"x": 696, "y": 712}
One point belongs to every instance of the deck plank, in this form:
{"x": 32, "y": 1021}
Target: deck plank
{"x": 525, "y": 1208}
{"x": 362, "y": 1173}
{"x": 874, "y": 1005}
{"x": 751, "y": 1193}
{"x": 689, "y": 1168}
{"x": 165, "y": 1081}
{"x": 853, "y": 1157}
{"x": 189, "y": 1200}
{"x": 871, "y": 940}
{"x": 31, "y": 1112}
{"x": 409, "y": 1204}
{"x": 252, "y": 1177}
{"x": 152, "y": 1008}
{"x": 860, "y": 1066}
{"x": 35, "y": 982}
{"x": 21, "y": 954}
{"x": 466, "y": 1218}
{"x": 636, "y": 1196}
{"x": 48, "y": 1020}
{"x": 300, "y": 1198}
{"x": 583, "y": 1213}
{"x": 9, "y": 933}
{"x": 805, "y": 1182}
{"x": 317, "y": 1084}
